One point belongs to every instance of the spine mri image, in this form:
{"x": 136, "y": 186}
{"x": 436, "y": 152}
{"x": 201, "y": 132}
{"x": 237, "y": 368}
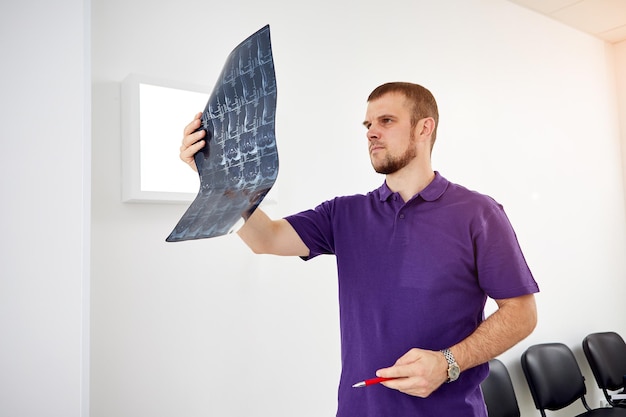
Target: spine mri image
{"x": 239, "y": 163}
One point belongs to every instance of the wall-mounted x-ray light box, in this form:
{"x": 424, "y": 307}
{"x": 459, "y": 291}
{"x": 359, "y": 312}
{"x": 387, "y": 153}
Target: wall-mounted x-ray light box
{"x": 154, "y": 113}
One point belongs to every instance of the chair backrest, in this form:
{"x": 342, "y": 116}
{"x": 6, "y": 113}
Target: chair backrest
{"x": 553, "y": 376}
{"x": 606, "y": 354}
{"x": 498, "y": 391}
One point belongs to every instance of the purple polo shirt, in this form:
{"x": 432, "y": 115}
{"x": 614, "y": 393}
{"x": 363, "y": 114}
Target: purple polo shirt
{"x": 414, "y": 274}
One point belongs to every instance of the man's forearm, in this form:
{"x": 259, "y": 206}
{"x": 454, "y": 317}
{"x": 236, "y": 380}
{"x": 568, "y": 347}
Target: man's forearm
{"x": 514, "y": 320}
{"x": 255, "y": 231}
{"x": 276, "y": 237}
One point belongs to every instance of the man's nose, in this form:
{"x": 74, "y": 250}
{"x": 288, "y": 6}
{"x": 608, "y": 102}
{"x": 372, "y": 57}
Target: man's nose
{"x": 372, "y": 133}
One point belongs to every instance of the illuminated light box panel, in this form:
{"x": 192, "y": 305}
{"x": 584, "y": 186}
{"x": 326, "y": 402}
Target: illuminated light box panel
{"x": 154, "y": 113}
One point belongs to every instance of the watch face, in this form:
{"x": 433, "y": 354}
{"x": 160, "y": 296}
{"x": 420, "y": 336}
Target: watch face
{"x": 453, "y": 372}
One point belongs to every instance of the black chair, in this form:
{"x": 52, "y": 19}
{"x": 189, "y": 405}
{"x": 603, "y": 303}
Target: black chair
{"x": 498, "y": 391}
{"x": 606, "y": 354}
{"x": 555, "y": 380}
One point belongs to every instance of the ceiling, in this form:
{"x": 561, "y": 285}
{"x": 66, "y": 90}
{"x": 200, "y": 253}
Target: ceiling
{"x": 605, "y": 19}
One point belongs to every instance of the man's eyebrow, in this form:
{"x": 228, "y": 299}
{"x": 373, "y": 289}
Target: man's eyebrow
{"x": 382, "y": 116}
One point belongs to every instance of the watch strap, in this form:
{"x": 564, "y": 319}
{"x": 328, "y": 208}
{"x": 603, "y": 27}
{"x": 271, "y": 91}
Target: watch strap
{"x": 453, "y": 366}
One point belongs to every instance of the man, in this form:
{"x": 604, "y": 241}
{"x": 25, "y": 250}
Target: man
{"x": 417, "y": 259}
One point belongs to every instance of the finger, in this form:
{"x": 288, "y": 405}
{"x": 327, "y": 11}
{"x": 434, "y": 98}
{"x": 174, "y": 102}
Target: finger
{"x": 192, "y": 149}
{"x": 398, "y": 383}
{"x": 396, "y": 371}
{"x": 192, "y": 138}
{"x": 193, "y": 125}
{"x": 187, "y": 153}
{"x": 412, "y": 386}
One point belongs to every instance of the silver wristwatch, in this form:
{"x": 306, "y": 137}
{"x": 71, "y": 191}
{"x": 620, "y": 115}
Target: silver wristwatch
{"x": 453, "y": 368}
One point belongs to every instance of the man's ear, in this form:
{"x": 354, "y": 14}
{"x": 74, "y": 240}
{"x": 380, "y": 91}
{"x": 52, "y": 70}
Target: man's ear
{"x": 427, "y": 126}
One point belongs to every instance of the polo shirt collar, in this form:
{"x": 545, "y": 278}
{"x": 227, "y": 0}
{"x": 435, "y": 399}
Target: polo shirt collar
{"x": 432, "y": 192}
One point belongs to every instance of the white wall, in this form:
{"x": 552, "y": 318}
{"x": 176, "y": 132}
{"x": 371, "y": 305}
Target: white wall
{"x": 45, "y": 142}
{"x": 205, "y": 328}
{"x": 620, "y": 68}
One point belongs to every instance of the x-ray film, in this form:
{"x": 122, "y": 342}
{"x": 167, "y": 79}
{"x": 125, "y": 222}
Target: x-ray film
{"x": 239, "y": 163}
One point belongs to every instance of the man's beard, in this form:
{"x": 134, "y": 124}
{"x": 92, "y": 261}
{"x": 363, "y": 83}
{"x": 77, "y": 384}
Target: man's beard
{"x": 392, "y": 164}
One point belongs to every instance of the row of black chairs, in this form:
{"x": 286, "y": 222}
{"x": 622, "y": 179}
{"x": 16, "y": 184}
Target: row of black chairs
{"x": 556, "y": 381}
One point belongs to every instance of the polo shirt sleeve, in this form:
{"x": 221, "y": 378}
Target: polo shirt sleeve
{"x": 501, "y": 266}
{"x": 315, "y": 229}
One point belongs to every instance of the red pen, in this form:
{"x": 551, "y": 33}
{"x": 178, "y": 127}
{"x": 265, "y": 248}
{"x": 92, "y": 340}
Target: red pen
{"x": 369, "y": 382}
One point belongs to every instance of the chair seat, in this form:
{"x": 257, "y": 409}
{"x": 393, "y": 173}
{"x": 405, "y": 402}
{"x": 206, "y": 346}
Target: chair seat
{"x": 604, "y": 412}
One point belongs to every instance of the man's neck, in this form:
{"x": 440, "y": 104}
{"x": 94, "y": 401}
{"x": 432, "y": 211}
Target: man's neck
{"x": 408, "y": 183}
